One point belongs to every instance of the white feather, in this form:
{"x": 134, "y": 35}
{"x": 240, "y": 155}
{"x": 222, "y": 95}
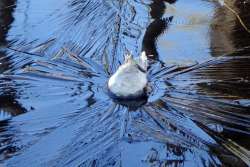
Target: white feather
{"x": 128, "y": 80}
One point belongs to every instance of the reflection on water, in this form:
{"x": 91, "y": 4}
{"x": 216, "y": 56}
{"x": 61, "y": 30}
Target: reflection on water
{"x": 156, "y": 27}
{"x": 58, "y": 56}
{"x": 234, "y": 39}
{"x": 187, "y": 39}
{"x": 6, "y": 10}
{"x": 9, "y": 104}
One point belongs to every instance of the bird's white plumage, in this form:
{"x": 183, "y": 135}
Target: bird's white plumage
{"x": 129, "y": 80}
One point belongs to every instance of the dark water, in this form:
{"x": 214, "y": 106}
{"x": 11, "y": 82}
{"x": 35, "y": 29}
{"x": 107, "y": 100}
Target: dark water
{"x": 56, "y": 58}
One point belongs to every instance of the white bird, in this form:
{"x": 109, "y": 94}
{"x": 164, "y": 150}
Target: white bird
{"x": 130, "y": 79}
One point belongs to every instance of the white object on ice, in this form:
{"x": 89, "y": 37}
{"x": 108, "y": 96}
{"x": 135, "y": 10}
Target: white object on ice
{"x": 130, "y": 79}
{"x": 222, "y": 2}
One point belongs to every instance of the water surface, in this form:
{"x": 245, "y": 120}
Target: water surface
{"x": 56, "y": 58}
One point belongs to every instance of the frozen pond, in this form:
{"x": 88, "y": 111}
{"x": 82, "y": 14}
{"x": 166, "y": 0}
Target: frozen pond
{"x": 56, "y": 58}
